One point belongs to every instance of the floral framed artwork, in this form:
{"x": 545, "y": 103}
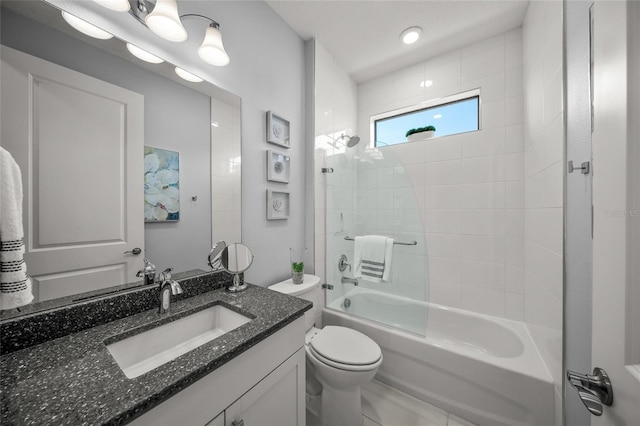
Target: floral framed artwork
{"x": 277, "y": 130}
{"x": 277, "y": 205}
{"x": 161, "y": 185}
{"x": 278, "y": 167}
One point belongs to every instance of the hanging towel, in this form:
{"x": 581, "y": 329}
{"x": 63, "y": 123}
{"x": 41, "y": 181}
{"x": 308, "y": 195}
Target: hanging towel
{"x": 373, "y": 257}
{"x": 15, "y": 285}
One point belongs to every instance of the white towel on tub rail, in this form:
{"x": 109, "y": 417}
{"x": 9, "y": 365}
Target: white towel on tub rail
{"x": 372, "y": 257}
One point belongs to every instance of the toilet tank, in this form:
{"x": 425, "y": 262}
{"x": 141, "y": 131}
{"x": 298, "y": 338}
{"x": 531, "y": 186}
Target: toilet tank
{"x": 309, "y": 290}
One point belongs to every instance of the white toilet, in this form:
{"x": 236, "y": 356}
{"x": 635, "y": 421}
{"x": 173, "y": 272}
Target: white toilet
{"x": 340, "y": 358}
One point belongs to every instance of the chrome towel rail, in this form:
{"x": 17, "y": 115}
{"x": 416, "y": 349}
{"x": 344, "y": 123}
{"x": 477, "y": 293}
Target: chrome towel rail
{"x": 401, "y": 243}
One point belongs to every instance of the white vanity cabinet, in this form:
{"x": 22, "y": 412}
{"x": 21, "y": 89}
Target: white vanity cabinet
{"x": 263, "y": 386}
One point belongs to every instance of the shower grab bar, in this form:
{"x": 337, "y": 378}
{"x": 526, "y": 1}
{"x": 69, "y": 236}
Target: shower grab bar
{"x": 400, "y": 243}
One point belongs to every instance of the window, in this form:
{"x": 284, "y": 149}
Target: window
{"x": 452, "y": 115}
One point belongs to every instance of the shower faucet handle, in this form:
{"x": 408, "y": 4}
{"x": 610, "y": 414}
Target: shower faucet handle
{"x": 343, "y": 263}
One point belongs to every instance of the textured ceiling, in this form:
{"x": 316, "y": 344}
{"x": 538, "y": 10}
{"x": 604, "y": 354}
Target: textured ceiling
{"x": 364, "y": 36}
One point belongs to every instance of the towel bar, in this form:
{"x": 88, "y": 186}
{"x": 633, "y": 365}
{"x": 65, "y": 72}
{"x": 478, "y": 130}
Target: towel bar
{"x": 401, "y": 243}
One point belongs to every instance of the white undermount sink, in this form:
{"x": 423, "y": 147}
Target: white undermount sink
{"x": 143, "y": 352}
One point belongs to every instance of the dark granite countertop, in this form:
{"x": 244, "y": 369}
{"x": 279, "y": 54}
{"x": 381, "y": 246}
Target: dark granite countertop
{"x": 74, "y": 380}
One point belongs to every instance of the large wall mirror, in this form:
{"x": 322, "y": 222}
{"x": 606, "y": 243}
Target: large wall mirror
{"x": 76, "y": 110}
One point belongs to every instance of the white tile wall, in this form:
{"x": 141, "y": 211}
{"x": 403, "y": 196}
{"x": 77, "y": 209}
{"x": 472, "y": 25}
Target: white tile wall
{"x": 335, "y": 203}
{"x": 468, "y": 188}
{"x": 543, "y": 160}
{"x": 225, "y": 175}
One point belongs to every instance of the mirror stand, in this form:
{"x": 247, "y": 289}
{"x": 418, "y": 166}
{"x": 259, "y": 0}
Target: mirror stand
{"x": 237, "y": 286}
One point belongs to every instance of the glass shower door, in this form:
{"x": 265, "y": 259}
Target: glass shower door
{"x": 369, "y": 192}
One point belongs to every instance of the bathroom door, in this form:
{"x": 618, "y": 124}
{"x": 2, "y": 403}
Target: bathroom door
{"x": 616, "y": 206}
{"x": 79, "y": 143}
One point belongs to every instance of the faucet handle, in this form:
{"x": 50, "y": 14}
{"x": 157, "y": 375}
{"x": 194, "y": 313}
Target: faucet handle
{"x": 343, "y": 263}
{"x": 149, "y": 267}
{"x": 175, "y": 287}
{"x": 166, "y": 275}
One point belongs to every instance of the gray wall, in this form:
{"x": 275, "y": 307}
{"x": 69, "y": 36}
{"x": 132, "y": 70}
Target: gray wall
{"x": 267, "y": 70}
{"x": 578, "y": 242}
{"x": 176, "y": 118}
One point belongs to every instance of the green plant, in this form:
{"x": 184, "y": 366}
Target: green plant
{"x": 421, "y": 129}
{"x": 297, "y": 266}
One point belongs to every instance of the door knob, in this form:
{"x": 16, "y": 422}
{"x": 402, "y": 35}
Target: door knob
{"x": 594, "y": 390}
{"x": 136, "y": 251}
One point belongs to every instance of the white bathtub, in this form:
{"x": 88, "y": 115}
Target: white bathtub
{"x": 484, "y": 369}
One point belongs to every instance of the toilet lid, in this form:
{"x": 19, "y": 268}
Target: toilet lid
{"x": 345, "y": 346}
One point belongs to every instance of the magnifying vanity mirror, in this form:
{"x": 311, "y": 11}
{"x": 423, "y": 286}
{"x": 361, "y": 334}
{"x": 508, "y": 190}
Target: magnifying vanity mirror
{"x": 82, "y": 199}
{"x": 215, "y": 255}
{"x": 235, "y": 259}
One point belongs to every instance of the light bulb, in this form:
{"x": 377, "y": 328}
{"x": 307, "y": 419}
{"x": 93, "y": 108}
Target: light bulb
{"x": 211, "y": 50}
{"x": 165, "y": 21}
{"x": 86, "y": 28}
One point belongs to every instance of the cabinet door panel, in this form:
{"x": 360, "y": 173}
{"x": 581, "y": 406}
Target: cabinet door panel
{"x": 277, "y": 400}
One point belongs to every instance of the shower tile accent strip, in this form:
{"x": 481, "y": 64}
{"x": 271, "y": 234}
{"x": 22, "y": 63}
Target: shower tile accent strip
{"x": 72, "y": 379}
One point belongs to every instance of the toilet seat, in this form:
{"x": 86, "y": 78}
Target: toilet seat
{"x": 345, "y": 348}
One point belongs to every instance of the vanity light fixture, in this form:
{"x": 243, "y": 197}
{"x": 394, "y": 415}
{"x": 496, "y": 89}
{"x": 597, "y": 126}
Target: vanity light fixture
{"x": 86, "y": 28}
{"x": 117, "y": 5}
{"x": 411, "y": 35}
{"x": 162, "y": 17}
{"x": 187, "y": 76}
{"x": 143, "y": 54}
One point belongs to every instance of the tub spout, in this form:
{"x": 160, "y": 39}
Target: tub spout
{"x": 346, "y": 280}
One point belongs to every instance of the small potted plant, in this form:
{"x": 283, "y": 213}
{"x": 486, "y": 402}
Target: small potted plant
{"x": 420, "y": 133}
{"x": 297, "y": 255}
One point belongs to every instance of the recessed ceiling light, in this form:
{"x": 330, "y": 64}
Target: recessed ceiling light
{"x": 437, "y": 116}
{"x": 426, "y": 83}
{"x": 86, "y": 28}
{"x": 411, "y": 35}
{"x": 187, "y": 75}
{"x": 143, "y": 54}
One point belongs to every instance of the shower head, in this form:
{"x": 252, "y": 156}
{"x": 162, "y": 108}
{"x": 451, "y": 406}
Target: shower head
{"x": 351, "y": 140}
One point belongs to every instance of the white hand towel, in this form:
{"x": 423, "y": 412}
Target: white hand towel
{"x": 372, "y": 257}
{"x": 15, "y": 285}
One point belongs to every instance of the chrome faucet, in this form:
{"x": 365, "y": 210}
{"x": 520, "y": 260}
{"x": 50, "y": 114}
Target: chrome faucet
{"x": 149, "y": 272}
{"x": 346, "y": 280}
{"x": 168, "y": 287}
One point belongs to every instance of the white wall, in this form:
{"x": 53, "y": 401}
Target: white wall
{"x": 544, "y": 154}
{"x": 468, "y": 188}
{"x": 267, "y": 71}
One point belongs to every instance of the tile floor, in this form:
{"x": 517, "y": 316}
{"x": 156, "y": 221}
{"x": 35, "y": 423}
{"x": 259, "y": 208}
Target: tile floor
{"x": 383, "y": 405}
